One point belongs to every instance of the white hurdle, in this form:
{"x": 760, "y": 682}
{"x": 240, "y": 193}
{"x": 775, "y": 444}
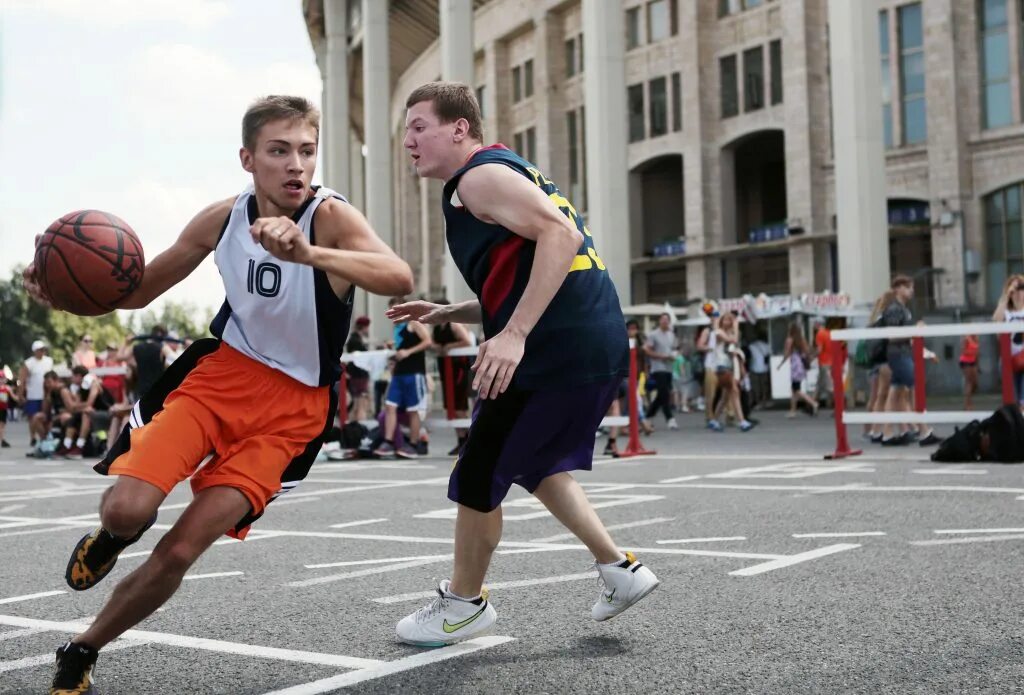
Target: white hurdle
{"x": 916, "y": 334}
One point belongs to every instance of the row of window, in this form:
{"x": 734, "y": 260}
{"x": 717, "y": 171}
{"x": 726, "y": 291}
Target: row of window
{"x": 651, "y": 22}
{"x": 728, "y": 7}
{"x": 1004, "y": 238}
{"x": 908, "y": 71}
{"x": 525, "y": 144}
{"x": 995, "y": 50}
{"x": 753, "y": 79}
{"x": 522, "y": 81}
{"x": 574, "y": 56}
{"x": 657, "y": 117}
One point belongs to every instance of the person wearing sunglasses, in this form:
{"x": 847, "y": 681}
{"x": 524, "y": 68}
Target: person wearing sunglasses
{"x": 84, "y": 355}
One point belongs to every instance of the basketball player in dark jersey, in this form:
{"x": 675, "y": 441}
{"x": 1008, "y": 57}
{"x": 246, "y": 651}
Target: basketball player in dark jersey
{"x": 259, "y": 396}
{"x": 554, "y": 356}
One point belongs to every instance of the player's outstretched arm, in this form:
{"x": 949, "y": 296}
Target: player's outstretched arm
{"x": 172, "y": 266}
{"x": 436, "y": 314}
{"x": 495, "y": 193}
{"x": 347, "y": 248}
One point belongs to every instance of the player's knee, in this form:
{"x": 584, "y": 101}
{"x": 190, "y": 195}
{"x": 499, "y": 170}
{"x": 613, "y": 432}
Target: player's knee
{"x": 176, "y": 555}
{"x": 123, "y": 517}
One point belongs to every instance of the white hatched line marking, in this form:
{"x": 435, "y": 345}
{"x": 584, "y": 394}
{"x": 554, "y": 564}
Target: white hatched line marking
{"x": 212, "y": 575}
{"x": 790, "y": 560}
{"x": 211, "y": 645}
{"x": 703, "y": 540}
{"x": 332, "y": 683}
{"x": 364, "y": 522}
{"x": 980, "y": 530}
{"x": 851, "y": 534}
{"x": 47, "y": 659}
{"x": 493, "y": 585}
{"x": 682, "y": 479}
{"x": 950, "y": 471}
{"x": 971, "y": 539}
{"x": 29, "y": 597}
{"x": 613, "y": 527}
{"x": 378, "y": 561}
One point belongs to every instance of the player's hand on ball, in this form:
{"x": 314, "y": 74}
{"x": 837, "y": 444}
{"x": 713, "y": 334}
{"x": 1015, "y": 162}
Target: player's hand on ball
{"x": 419, "y": 310}
{"x": 32, "y": 285}
{"x": 282, "y": 238}
{"x": 497, "y": 362}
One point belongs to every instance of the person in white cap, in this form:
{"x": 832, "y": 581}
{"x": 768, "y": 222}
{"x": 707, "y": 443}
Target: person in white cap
{"x": 30, "y": 382}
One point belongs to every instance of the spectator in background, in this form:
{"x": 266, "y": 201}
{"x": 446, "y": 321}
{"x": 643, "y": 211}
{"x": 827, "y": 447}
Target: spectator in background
{"x": 634, "y": 333}
{"x": 707, "y": 342}
{"x": 824, "y": 388}
{"x": 1011, "y": 308}
{"x": 727, "y": 352}
{"x": 448, "y": 336}
{"x": 113, "y": 359}
{"x": 969, "y": 347}
{"x": 148, "y": 360}
{"x": 358, "y": 378}
{"x": 797, "y": 353}
{"x": 171, "y": 349}
{"x": 408, "y": 388}
{"x": 879, "y": 376}
{"x": 84, "y": 354}
{"x": 901, "y": 364}
{"x": 31, "y": 384}
{"x": 760, "y": 377}
{"x": 661, "y": 347}
{"x": 7, "y": 400}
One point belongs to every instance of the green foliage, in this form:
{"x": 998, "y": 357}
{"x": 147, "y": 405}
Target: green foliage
{"x": 186, "y": 320}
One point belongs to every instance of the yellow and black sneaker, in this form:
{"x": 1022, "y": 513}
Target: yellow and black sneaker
{"x": 95, "y": 555}
{"x": 75, "y": 663}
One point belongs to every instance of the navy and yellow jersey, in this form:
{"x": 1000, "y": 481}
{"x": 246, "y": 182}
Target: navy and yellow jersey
{"x": 581, "y": 336}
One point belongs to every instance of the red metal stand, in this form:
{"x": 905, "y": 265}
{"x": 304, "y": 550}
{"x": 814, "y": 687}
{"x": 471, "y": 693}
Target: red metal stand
{"x": 917, "y": 347}
{"x": 843, "y": 449}
{"x": 1006, "y": 359}
{"x": 635, "y": 447}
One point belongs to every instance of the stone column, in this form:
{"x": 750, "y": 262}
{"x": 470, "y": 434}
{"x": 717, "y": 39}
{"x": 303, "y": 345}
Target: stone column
{"x": 376, "y": 116}
{"x": 863, "y": 228}
{"x": 336, "y": 121}
{"x": 457, "y": 65}
{"x": 604, "y": 84}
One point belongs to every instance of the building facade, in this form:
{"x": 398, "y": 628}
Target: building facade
{"x": 728, "y": 182}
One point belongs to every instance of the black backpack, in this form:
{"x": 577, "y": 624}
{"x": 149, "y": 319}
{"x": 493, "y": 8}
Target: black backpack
{"x": 1005, "y": 431}
{"x": 964, "y": 446}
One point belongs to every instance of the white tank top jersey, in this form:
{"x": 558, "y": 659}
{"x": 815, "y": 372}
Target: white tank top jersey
{"x": 282, "y": 314}
{"x": 1018, "y": 315}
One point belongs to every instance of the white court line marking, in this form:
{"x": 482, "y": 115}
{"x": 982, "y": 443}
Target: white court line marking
{"x": 288, "y": 500}
{"x": 703, "y": 540}
{"x": 971, "y": 539}
{"x": 613, "y": 527}
{"x": 950, "y": 471}
{"x": 213, "y": 575}
{"x": 829, "y": 488}
{"x": 17, "y": 634}
{"x": 378, "y": 561}
{"x": 493, "y": 585}
{"x": 332, "y": 683}
{"x": 367, "y": 572}
{"x": 58, "y": 492}
{"x": 681, "y": 479}
{"x": 790, "y": 560}
{"x": 29, "y": 597}
{"x": 979, "y": 530}
{"x": 11, "y": 508}
{"x": 364, "y": 522}
{"x": 211, "y": 645}
{"x": 47, "y": 659}
{"x": 852, "y": 534}
{"x": 254, "y": 535}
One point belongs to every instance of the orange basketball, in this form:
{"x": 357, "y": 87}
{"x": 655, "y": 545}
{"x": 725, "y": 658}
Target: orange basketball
{"x": 88, "y": 261}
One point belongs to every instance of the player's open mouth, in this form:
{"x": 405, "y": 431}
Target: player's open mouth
{"x": 294, "y": 186}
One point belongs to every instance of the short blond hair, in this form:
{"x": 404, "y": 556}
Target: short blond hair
{"x": 277, "y": 107}
{"x": 452, "y": 101}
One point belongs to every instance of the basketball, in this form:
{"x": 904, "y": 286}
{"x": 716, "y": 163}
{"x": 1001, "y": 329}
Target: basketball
{"x": 88, "y": 261}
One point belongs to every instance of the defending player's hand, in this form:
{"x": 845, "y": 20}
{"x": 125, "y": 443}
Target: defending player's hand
{"x": 282, "y": 238}
{"x": 424, "y": 312}
{"x": 496, "y": 363}
{"x": 32, "y": 285}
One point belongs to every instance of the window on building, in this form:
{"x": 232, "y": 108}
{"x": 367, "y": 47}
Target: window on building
{"x": 582, "y": 202}
{"x": 747, "y": 4}
{"x": 480, "y": 99}
{"x": 632, "y": 27}
{"x": 912, "y": 74}
{"x": 995, "y": 63}
{"x": 883, "y": 42}
{"x": 775, "y": 55}
{"x": 517, "y": 84}
{"x": 753, "y": 79}
{"x": 531, "y": 144}
{"x": 1004, "y": 238}
{"x": 727, "y": 86}
{"x": 667, "y": 285}
{"x": 635, "y": 99}
{"x": 577, "y": 159}
{"x": 519, "y": 144}
{"x": 661, "y": 20}
{"x": 570, "y": 57}
{"x": 677, "y": 102}
{"x": 728, "y": 7}
{"x": 579, "y": 43}
{"x": 528, "y": 78}
{"x": 658, "y": 92}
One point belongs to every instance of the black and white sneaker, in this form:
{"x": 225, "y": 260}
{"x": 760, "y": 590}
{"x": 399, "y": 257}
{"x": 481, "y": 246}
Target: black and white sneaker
{"x": 75, "y": 663}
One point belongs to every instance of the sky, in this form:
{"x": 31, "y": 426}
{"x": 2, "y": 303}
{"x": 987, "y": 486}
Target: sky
{"x": 135, "y": 107}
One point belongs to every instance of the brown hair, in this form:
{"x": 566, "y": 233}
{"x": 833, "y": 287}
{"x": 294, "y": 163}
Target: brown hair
{"x": 277, "y": 108}
{"x": 452, "y": 101}
{"x": 1010, "y": 283}
{"x": 881, "y": 303}
{"x": 796, "y": 334}
{"x": 901, "y": 281}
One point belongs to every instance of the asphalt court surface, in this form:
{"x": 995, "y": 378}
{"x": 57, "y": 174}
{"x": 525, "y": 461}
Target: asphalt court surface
{"x": 781, "y": 573}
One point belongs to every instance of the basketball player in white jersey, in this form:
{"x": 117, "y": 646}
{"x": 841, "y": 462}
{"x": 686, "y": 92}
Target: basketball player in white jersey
{"x": 260, "y": 397}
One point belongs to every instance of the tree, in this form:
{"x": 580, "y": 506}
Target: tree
{"x": 184, "y": 319}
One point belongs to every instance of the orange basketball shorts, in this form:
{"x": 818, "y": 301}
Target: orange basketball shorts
{"x": 251, "y": 418}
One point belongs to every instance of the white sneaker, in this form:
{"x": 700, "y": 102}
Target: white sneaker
{"x": 622, "y": 586}
{"x": 672, "y": 424}
{"x": 446, "y": 620}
